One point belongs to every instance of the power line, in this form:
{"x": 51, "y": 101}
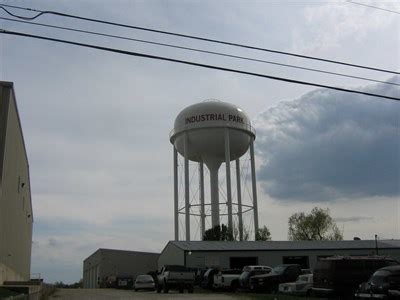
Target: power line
{"x": 40, "y": 13}
{"x": 196, "y": 64}
{"x": 375, "y": 7}
{"x": 201, "y": 51}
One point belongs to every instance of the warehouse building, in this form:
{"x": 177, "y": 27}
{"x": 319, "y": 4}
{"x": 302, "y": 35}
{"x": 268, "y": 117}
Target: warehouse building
{"x": 235, "y": 255}
{"x": 16, "y": 215}
{"x": 105, "y": 264}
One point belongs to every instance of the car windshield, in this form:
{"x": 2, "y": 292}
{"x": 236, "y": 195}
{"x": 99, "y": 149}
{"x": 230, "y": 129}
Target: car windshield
{"x": 207, "y": 273}
{"x": 246, "y": 269}
{"x": 278, "y": 270}
{"x": 244, "y": 275}
{"x": 379, "y": 277}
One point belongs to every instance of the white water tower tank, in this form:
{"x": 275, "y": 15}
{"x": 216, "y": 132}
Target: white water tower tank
{"x": 213, "y": 132}
{"x": 205, "y": 125}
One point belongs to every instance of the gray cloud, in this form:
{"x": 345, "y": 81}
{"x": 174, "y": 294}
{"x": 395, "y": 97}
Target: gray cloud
{"x": 353, "y": 219}
{"x": 53, "y": 243}
{"x": 329, "y": 145}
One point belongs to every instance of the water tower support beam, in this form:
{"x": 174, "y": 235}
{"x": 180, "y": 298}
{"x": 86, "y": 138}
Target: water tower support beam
{"x": 239, "y": 199}
{"x": 254, "y": 186}
{"x": 214, "y": 197}
{"x": 202, "y": 208}
{"x": 176, "y": 199}
{"x": 228, "y": 179}
{"x": 187, "y": 196}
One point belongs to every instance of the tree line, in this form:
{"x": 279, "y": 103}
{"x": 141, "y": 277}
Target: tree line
{"x": 317, "y": 225}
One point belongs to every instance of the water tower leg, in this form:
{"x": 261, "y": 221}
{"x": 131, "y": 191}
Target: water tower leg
{"x": 239, "y": 199}
{"x": 254, "y": 186}
{"x": 214, "y": 197}
{"x": 187, "y": 196}
{"x": 202, "y": 209}
{"x": 176, "y": 199}
{"x": 228, "y": 179}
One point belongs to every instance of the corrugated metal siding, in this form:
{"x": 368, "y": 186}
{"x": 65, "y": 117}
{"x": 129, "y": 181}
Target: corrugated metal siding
{"x": 283, "y": 245}
{"x": 16, "y": 215}
{"x": 110, "y": 262}
{"x": 171, "y": 255}
{"x": 272, "y": 253}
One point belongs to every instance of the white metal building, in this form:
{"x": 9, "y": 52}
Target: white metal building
{"x": 16, "y": 215}
{"x": 201, "y": 254}
{"x": 109, "y": 262}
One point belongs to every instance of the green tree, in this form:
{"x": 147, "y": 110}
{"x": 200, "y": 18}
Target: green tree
{"x": 218, "y": 233}
{"x": 317, "y": 225}
{"x": 263, "y": 234}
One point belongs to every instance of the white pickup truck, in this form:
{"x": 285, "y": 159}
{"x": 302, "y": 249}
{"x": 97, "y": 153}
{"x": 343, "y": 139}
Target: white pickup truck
{"x": 227, "y": 279}
{"x": 175, "y": 277}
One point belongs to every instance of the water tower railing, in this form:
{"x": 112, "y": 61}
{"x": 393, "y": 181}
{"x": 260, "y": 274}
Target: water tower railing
{"x": 181, "y": 210}
{"x": 233, "y": 125}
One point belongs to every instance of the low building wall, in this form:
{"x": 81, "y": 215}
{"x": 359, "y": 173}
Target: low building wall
{"x": 8, "y": 274}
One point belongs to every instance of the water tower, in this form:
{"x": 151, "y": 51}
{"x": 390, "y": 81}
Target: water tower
{"x": 213, "y": 132}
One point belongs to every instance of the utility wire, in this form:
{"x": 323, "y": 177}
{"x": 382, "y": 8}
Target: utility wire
{"x": 40, "y": 13}
{"x": 196, "y": 64}
{"x": 200, "y": 50}
{"x": 375, "y": 7}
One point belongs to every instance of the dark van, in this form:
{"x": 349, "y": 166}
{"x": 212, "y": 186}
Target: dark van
{"x": 341, "y": 275}
{"x": 383, "y": 284}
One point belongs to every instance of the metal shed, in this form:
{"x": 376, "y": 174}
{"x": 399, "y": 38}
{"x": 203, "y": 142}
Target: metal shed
{"x": 203, "y": 254}
{"x": 109, "y": 262}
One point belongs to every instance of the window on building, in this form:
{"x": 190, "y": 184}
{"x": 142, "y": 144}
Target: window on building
{"x": 300, "y": 260}
{"x": 240, "y": 262}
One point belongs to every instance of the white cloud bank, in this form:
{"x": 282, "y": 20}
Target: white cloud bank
{"x": 329, "y": 145}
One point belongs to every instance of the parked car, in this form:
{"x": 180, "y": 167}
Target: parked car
{"x": 341, "y": 275}
{"x": 175, "y": 277}
{"x": 249, "y": 272}
{"x": 302, "y": 286}
{"x": 208, "y": 279}
{"x": 124, "y": 282}
{"x": 280, "y": 274}
{"x": 227, "y": 279}
{"x": 144, "y": 282}
{"x": 383, "y": 284}
{"x": 110, "y": 282}
{"x": 198, "y": 276}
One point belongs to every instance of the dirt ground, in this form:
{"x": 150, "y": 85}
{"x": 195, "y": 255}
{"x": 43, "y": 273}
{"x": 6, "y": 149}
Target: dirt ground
{"x": 102, "y": 294}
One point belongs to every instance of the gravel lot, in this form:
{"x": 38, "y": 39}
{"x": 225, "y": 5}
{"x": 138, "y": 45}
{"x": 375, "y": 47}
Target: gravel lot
{"x": 101, "y": 294}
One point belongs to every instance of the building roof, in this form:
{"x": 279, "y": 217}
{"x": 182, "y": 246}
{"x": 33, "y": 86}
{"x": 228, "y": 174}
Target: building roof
{"x": 105, "y": 250}
{"x": 283, "y": 245}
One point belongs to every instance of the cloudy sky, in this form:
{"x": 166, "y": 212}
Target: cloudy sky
{"x": 96, "y": 124}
